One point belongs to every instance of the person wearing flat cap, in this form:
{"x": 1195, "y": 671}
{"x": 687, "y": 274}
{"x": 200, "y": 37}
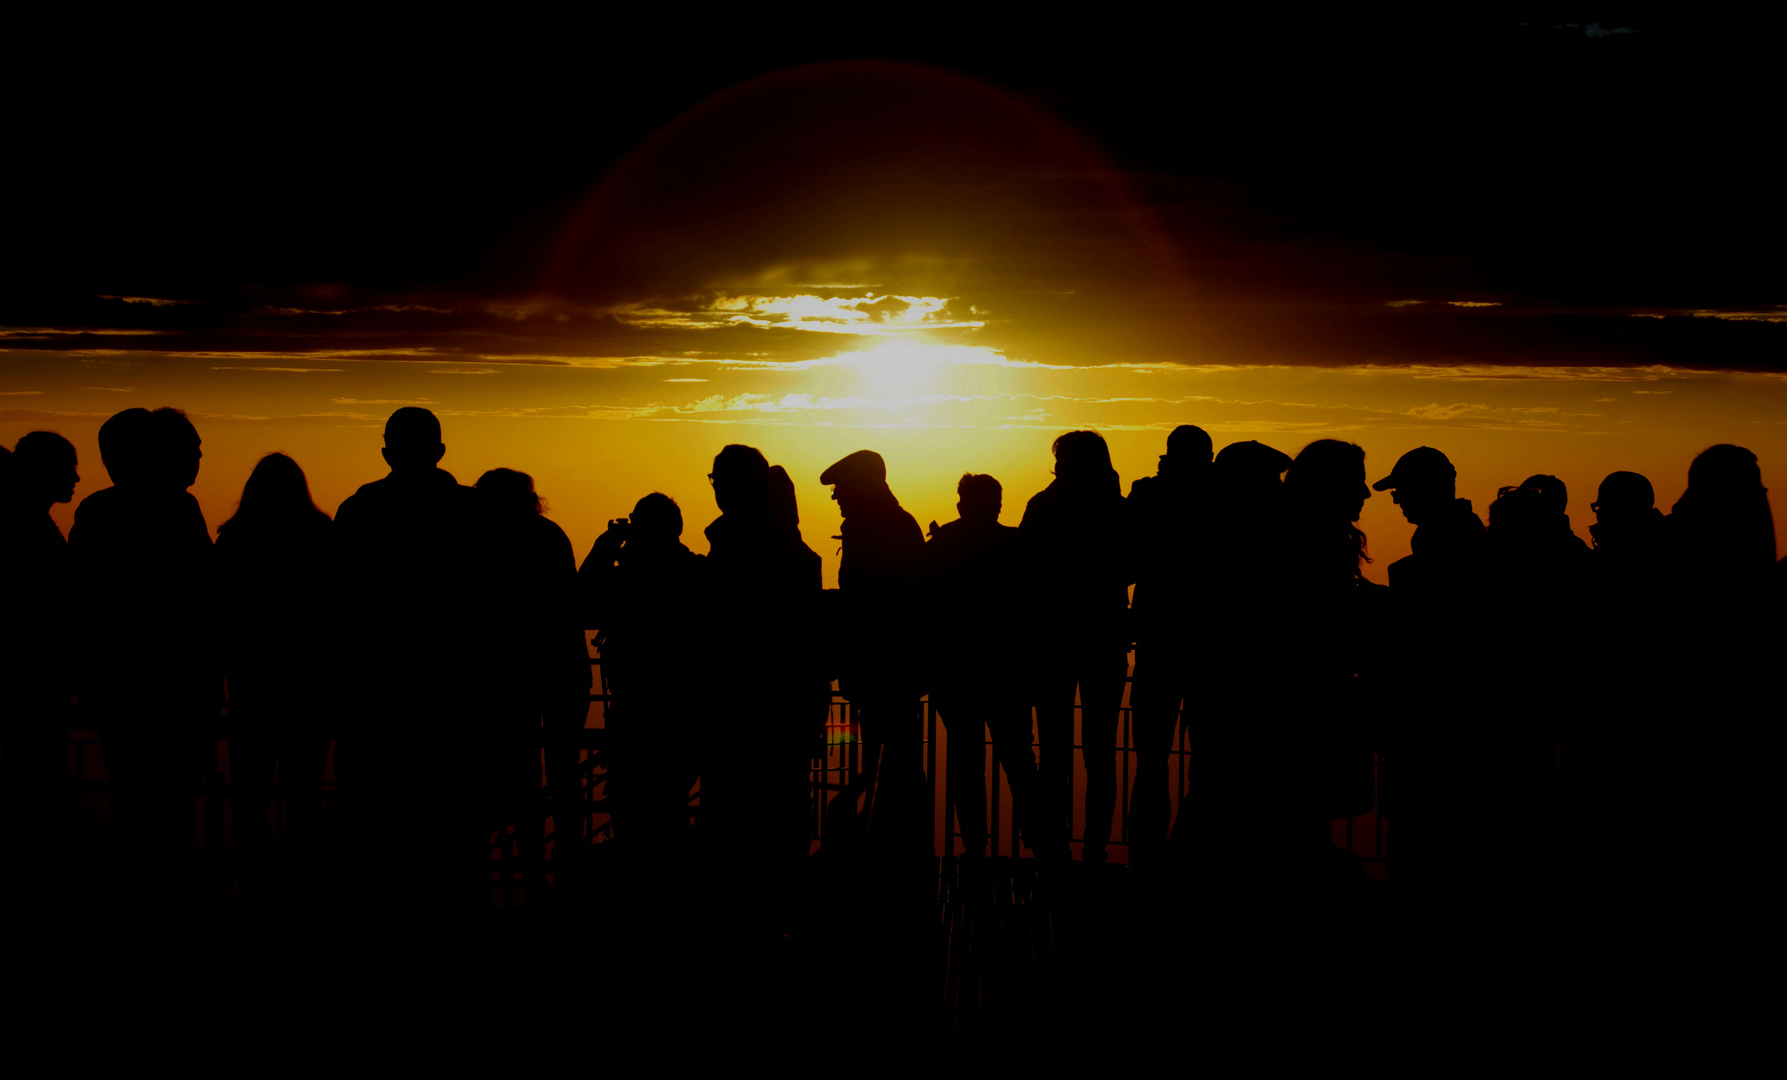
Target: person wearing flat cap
{"x": 882, "y": 548}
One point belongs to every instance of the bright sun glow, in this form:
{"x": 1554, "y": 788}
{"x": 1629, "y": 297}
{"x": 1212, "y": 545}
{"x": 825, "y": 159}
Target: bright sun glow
{"x": 900, "y": 367}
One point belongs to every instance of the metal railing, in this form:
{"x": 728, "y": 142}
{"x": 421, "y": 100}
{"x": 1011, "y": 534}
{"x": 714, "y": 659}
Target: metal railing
{"x": 837, "y": 764}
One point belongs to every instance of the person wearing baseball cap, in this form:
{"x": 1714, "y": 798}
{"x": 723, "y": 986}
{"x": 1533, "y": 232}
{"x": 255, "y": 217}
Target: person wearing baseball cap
{"x": 1441, "y": 794}
{"x": 1448, "y": 538}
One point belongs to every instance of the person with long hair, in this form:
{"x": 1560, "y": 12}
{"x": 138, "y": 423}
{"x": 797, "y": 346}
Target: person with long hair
{"x": 276, "y": 560}
{"x": 36, "y": 662}
{"x": 1326, "y": 752}
{"x": 539, "y": 675}
{"x": 1079, "y": 564}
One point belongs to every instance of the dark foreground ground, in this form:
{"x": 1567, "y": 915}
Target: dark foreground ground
{"x": 937, "y": 966}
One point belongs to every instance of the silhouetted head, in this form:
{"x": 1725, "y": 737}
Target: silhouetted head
{"x": 1328, "y": 479}
{"x": 413, "y": 440}
{"x": 127, "y": 447}
{"x": 657, "y": 519}
{"x": 1188, "y": 447}
{"x": 276, "y": 491}
{"x": 1553, "y": 498}
{"x": 1423, "y": 483}
{"x": 1082, "y": 457}
{"x": 1724, "y": 514}
{"x": 510, "y": 493}
{"x": 177, "y": 449}
{"x": 979, "y": 497}
{"x": 856, "y": 478}
{"x": 1250, "y": 465}
{"x": 42, "y": 470}
{"x": 740, "y": 479}
{"x": 1622, "y": 496}
{"x": 1518, "y": 511}
{"x": 1725, "y": 470}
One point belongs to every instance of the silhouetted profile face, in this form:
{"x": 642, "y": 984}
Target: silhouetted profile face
{"x": 979, "y": 498}
{"x": 1423, "y": 483}
{"x": 740, "y": 479}
{"x": 856, "y": 479}
{"x": 1329, "y": 476}
{"x": 44, "y": 468}
{"x": 413, "y": 440}
{"x": 656, "y": 520}
{"x": 1622, "y": 497}
{"x": 510, "y": 493}
{"x": 177, "y": 449}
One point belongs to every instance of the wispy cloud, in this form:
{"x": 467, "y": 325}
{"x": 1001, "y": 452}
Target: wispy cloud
{"x": 298, "y": 370}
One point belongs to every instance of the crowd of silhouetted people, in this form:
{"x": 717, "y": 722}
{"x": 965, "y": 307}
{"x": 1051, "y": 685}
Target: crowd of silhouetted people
{"x": 1523, "y": 708}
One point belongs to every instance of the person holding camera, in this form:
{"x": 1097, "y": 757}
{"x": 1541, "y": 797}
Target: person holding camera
{"x": 643, "y": 589}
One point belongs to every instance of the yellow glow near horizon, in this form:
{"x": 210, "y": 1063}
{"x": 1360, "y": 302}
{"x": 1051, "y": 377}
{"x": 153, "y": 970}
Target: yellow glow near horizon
{"x": 900, "y": 367}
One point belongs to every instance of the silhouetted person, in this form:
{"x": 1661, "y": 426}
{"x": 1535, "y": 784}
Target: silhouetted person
{"x": 540, "y": 660}
{"x": 1446, "y": 562}
{"x": 1536, "y": 565}
{"x": 276, "y": 562}
{"x": 1723, "y": 672}
{"x": 1459, "y": 775}
{"x": 36, "y": 652}
{"x": 1623, "y": 761}
{"x": 1230, "y": 737}
{"x": 982, "y": 644}
{"x": 410, "y": 766}
{"x": 1074, "y": 531}
{"x": 878, "y": 671}
{"x": 1722, "y": 528}
{"x": 1170, "y": 528}
{"x": 768, "y": 710}
{"x": 150, "y": 678}
{"x": 648, "y": 594}
{"x": 1327, "y": 734}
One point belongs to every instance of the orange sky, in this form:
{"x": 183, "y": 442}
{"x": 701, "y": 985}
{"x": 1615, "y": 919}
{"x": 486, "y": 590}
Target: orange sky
{"x": 597, "y": 439}
{"x": 883, "y": 256}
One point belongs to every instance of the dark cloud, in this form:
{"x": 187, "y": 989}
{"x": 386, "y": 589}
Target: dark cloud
{"x": 1231, "y": 192}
